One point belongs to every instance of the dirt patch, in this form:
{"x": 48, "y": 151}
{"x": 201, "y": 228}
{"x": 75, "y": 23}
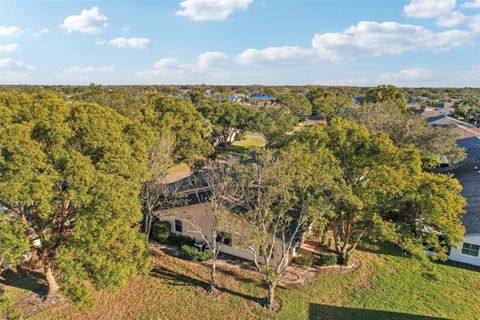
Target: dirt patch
{"x": 33, "y": 304}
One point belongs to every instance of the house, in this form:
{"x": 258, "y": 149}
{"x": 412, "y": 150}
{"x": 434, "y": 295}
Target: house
{"x": 261, "y": 99}
{"x": 186, "y": 220}
{"x": 468, "y": 174}
{"x": 194, "y": 218}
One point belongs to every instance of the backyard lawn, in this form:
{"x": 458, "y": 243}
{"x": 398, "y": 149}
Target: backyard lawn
{"x": 251, "y": 140}
{"x": 387, "y": 286}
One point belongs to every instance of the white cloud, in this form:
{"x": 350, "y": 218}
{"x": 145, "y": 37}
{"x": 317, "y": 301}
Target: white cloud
{"x": 471, "y": 4}
{"x": 474, "y": 23}
{"x": 422, "y": 77}
{"x": 406, "y": 75}
{"x": 429, "y": 8}
{"x": 275, "y": 55}
{"x": 413, "y": 77}
{"x": 369, "y": 38}
{"x": 10, "y": 64}
{"x": 9, "y": 47}
{"x": 211, "y": 60}
{"x": 89, "y": 21}
{"x": 79, "y": 71}
{"x": 14, "y": 71}
{"x": 40, "y": 32}
{"x": 208, "y": 65}
{"x": 455, "y": 18}
{"x": 123, "y": 42}
{"x": 211, "y": 10}
{"x": 10, "y": 31}
{"x": 126, "y": 29}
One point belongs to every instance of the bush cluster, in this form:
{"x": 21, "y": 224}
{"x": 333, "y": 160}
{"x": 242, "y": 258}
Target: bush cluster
{"x": 180, "y": 240}
{"x": 161, "y": 231}
{"x": 192, "y": 253}
{"x": 303, "y": 260}
{"x": 328, "y": 259}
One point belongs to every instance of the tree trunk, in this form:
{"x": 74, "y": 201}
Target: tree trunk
{"x": 53, "y": 287}
{"x": 148, "y": 225}
{"x": 270, "y": 302}
{"x": 213, "y": 277}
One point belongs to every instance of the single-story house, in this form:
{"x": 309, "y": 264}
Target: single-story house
{"x": 194, "y": 218}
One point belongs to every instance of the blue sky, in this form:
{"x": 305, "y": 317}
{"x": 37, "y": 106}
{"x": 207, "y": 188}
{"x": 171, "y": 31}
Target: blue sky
{"x": 406, "y": 43}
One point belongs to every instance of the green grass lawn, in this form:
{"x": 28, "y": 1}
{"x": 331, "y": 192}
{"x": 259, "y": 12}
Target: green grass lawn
{"x": 387, "y": 286}
{"x": 179, "y": 168}
{"x": 251, "y": 140}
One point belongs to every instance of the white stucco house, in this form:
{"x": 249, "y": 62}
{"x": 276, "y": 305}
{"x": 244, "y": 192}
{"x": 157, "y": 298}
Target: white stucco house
{"x": 469, "y": 250}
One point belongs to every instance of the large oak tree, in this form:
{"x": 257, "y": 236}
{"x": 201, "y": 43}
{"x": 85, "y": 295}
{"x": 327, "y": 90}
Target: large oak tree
{"x": 70, "y": 177}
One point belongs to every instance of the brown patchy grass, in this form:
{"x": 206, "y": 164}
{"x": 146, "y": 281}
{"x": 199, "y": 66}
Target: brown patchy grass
{"x": 173, "y": 290}
{"x": 386, "y": 286}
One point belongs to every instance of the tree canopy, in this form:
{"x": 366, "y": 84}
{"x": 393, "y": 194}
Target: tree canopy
{"x": 374, "y": 180}
{"x": 70, "y": 177}
{"x": 406, "y": 128}
{"x": 386, "y": 93}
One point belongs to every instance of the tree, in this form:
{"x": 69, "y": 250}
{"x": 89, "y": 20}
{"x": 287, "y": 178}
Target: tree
{"x": 374, "y": 179}
{"x": 327, "y": 103}
{"x": 386, "y": 93}
{"x": 469, "y": 109}
{"x": 296, "y": 103}
{"x": 217, "y": 192}
{"x": 156, "y": 192}
{"x": 70, "y": 176}
{"x": 275, "y": 124}
{"x": 427, "y": 216}
{"x": 406, "y": 128}
{"x": 191, "y": 130}
{"x": 280, "y": 200}
{"x": 13, "y": 243}
{"x": 229, "y": 120}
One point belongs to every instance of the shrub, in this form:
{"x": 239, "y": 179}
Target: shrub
{"x": 328, "y": 259}
{"x": 192, "y": 253}
{"x": 347, "y": 260}
{"x": 180, "y": 239}
{"x": 303, "y": 260}
{"x": 161, "y": 231}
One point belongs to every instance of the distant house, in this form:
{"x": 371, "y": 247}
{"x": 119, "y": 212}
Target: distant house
{"x": 261, "y": 99}
{"x": 237, "y": 98}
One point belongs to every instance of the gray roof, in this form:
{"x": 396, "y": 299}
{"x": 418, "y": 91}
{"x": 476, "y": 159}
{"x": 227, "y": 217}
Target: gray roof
{"x": 469, "y": 177}
{"x": 468, "y": 172}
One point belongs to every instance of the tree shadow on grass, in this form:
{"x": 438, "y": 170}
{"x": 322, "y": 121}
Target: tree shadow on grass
{"x": 460, "y": 265}
{"x": 171, "y": 277}
{"x": 235, "y": 275}
{"x": 24, "y": 279}
{"x": 385, "y": 248}
{"x": 320, "y": 312}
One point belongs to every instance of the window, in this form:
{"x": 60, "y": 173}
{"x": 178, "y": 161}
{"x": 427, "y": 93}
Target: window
{"x": 178, "y": 226}
{"x": 470, "y": 249}
{"x": 224, "y": 238}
